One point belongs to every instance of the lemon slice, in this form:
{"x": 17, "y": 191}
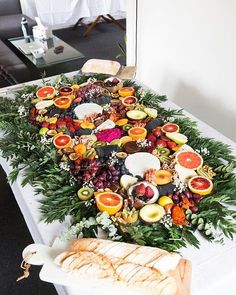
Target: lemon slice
{"x": 177, "y": 137}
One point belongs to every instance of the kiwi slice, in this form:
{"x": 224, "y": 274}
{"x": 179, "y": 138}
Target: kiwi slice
{"x": 163, "y": 152}
{"x": 165, "y": 159}
{"x": 127, "y": 127}
{"x": 89, "y": 153}
{"x": 85, "y": 193}
{"x": 98, "y": 144}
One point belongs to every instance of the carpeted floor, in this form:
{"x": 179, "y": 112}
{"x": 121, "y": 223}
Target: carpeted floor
{"x": 14, "y": 235}
{"x": 101, "y": 43}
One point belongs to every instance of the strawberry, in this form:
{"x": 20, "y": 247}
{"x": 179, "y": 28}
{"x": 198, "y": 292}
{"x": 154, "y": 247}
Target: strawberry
{"x": 78, "y": 99}
{"x": 156, "y": 133}
{"x": 52, "y": 126}
{"x": 61, "y": 124}
{"x": 68, "y": 119}
{"x": 45, "y": 124}
{"x": 149, "y": 193}
{"x": 151, "y": 138}
{"x": 72, "y": 129}
{"x": 162, "y": 143}
{"x": 164, "y": 138}
{"x": 171, "y": 144}
{"x": 140, "y": 189}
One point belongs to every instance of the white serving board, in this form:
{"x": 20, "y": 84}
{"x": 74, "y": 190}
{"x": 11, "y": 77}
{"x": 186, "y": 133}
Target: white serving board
{"x": 52, "y": 273}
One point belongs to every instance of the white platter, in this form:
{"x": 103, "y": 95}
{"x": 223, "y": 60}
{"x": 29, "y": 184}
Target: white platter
{"x": 138, "y": 163}
{"x": 52, "y": 273}
{"x": 87, "y": 109}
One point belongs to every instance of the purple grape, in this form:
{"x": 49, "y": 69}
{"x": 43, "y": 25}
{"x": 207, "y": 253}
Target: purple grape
{"x": 116, "y": 173}
{"x": 177, "y": 193}
{"x": 99, "y": 184}
{"x": 181, "y": 195}
{"x": 175, "y": 199}
{"x": 197, "y": 198}
{"x": 188, "y": 194}
{"x": 170, "y": 195}
{"x": 194, "y": 209}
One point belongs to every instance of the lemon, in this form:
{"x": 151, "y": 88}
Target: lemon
{"x": 43, "y": 131}
{"x": 165, "y": 200}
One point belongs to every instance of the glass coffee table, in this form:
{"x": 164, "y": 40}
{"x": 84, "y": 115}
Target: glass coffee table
{"x": 55, "y": 50}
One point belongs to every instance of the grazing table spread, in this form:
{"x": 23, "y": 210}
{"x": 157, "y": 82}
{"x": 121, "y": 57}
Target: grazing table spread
{"x": 111, "y": 154}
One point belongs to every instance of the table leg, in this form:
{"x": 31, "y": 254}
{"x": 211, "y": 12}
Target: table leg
{"x": 116, "y": 22}
{"x": 91, "y": 27}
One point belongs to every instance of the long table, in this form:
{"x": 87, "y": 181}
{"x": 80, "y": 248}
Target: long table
{"x": 214, "y": 267}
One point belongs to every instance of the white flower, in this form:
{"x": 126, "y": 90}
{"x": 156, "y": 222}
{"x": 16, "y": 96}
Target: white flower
{"x": 64, "y": 166}
{"x": 46, "y": 141}
{"x": 22, "y": 111}
{"x": 91, "y": 80}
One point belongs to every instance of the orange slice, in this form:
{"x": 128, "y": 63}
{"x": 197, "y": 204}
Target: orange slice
{"x": 137, "y": 133}
{"x": 46, "y": 92}
{"x": 62, "y": 141}
{"x": 121, "y": 122}
{"x": 87, "y": 125}
{"x": 109, "y": 202}
{"x": 80, "y": 149}
{"x": 63, "y": 102}
{"x": 126, "y": 91}
{"x": 200, "y": 185}
{"x": 189, "y": 160}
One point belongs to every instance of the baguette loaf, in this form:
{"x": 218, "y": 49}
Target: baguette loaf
{"x": 135, "y": 266}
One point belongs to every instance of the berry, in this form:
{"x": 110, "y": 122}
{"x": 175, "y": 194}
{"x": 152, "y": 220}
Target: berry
{"x": 149, "y": 193}
{"x": 162, "y": 143}
{"x": 156, "y": 133}
{"x": 52, "y": 126}
{"x": 140, "y": 189}
{"x": 171, "y": 144}
{"x": 45, "y": 124}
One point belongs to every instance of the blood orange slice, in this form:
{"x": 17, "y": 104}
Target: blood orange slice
{"x": 109, "y": 202}
{"x": 46, "y": 92}
{"x": 62, "y": 141}
{"x": 189, "y": 160}
{"x": 170, "y": 127}
{"x": 200, "y": 185}
{"x": 63, "y": 102}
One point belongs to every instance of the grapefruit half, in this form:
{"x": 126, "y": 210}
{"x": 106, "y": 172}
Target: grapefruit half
{"x": 189, "y": 159}
{"x": 170, "y": 127}
{"x": 200, "y": 185}
{"x": 62, "y": 141}
{"x": 46, "y": 92}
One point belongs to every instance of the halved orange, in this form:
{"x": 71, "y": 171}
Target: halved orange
{"x": 46, "y": 92}
{"x": 137, "y": 133}
{"x": 200, "y": 185}
{"x": 62, "y": 141}
{"x": 63, "y": 102}
{"x": 126, "y": 91}
{"x": 109, "y": 202}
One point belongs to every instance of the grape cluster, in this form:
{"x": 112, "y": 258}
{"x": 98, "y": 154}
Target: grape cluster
{"x": 86, "y": 171}
{"x": 90, "y": 91}
{"x": 108, "y": 176}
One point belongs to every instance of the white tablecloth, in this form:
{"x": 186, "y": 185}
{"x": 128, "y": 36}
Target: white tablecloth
{"x": 63, "y": 13}
{"x": 214, "y": 266}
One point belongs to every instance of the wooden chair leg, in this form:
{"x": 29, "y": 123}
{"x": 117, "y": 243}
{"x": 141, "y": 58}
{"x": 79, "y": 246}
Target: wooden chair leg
{"x": 116, "y": 22}
{"x": 79, "y": 22}
{"x": 91, "y": 27}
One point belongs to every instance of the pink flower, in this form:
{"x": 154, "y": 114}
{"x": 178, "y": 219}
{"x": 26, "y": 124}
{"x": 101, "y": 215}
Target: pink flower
{"x": 109, "y": 134}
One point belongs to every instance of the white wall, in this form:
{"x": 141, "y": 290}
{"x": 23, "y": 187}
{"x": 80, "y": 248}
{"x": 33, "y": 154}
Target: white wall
{"x": 187, "y": 50}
